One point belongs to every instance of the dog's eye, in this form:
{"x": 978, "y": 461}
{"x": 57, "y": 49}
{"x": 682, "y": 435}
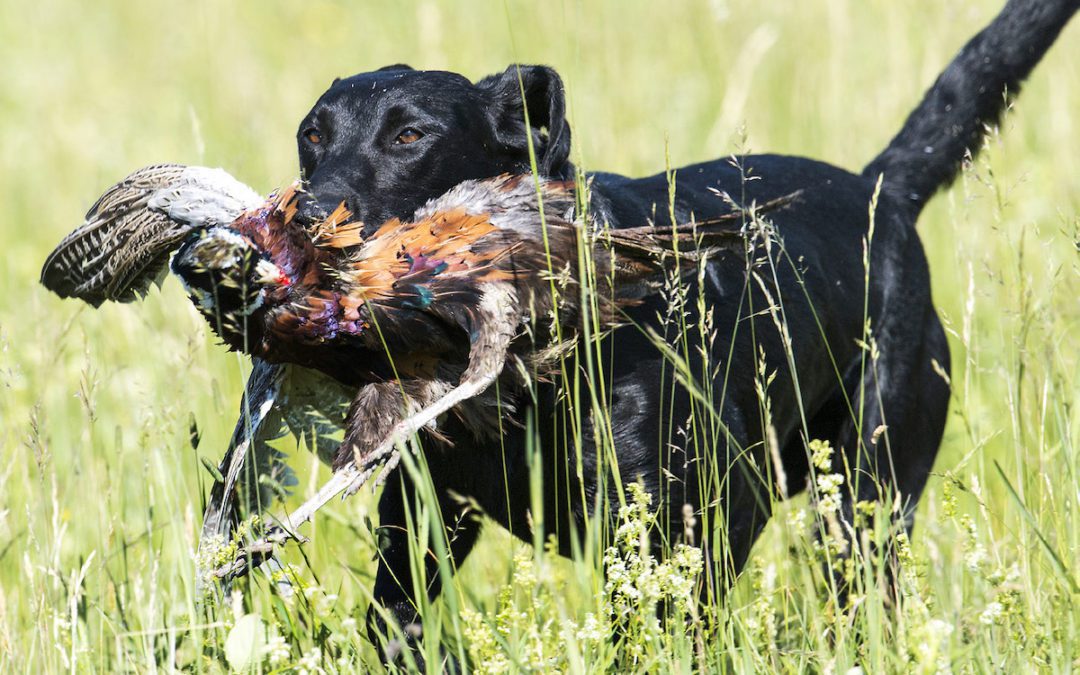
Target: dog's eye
{"x": 313, "y": 136}
{"x": 410, "y": 135}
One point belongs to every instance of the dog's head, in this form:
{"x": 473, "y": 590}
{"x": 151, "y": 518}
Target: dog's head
{"x": 388, "y": 141}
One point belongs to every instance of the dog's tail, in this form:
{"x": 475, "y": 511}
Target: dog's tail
{"x": 972, "y": 92}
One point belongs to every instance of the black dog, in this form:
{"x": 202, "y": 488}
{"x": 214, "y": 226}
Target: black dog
{"x": 388, "y": 141}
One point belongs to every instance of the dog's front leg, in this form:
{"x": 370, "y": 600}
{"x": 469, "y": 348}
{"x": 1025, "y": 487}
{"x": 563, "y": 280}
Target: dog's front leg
{"x": 394, "y": 621}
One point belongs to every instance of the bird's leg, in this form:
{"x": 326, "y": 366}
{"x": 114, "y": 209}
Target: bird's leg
{"x": 497, "y": 324}
{"x": 469, "y": 387}
{"x": 253, "y": 555}
{"x": 375, "y": 411}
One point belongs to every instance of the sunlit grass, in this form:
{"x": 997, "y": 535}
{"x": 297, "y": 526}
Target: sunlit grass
{"x": 101, "y": 490}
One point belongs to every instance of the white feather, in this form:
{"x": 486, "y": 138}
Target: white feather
{"x": 203, "y": 197}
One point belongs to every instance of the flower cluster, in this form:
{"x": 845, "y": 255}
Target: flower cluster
{"x": 516, "y": 637}
{"x": 636, "y": 581}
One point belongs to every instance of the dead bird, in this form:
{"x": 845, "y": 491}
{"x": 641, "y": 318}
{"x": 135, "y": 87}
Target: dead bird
{"x": 417, "y": 320}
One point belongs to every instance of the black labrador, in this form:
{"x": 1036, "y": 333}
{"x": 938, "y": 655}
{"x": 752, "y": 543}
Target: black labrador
{"x": 861, "y": 365}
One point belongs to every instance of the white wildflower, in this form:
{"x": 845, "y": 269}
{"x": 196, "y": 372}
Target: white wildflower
{"x": 975, "y": 558}
{"x": 821, "y": 454}
{"x": 309, "y": 663}
{"x": 828, "y": 486}
{"x": 797, "y": 520}
{"x": 935, "y": 634}
{"x": 325, "y": 603}
{"x": 1013, "y": 575}
{"x": 277, "y": 650}
{"x": 991, "y": 614}
{"x": 592, "y": 630}
{"x": 829, "y": 482}
{"x": 940, "y": 627}
{"x": 524, "y": 572}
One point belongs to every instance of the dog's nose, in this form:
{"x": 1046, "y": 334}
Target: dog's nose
{"x": 309, "y": 211}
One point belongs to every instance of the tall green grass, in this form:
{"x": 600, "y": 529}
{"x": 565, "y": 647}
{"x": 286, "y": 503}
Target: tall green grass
{"x": 100, "y": 487}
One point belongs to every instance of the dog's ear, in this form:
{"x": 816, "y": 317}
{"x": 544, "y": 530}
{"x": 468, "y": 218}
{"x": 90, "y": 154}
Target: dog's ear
{"x": 396, "y": 66}
{"x": 545, "y": 101}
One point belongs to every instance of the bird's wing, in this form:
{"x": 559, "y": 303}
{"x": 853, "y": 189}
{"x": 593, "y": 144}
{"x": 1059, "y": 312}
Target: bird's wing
{"x": 278, "y": 399}
{"x": 259, "y": 422}
{"x": 129, "y": 233}
{"x": 315, "y": 409}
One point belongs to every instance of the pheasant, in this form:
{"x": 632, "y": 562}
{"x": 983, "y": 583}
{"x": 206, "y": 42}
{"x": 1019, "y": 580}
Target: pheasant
{"x": 123, "y": 246}
{"x": 417, "y": 320}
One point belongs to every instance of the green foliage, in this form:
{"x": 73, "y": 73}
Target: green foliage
{"x": 101, "y": 488}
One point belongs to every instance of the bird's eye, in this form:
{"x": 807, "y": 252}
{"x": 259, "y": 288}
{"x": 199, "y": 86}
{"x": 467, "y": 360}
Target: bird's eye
{"x": 313, "y": 136}
{"x": 410, "y": 135}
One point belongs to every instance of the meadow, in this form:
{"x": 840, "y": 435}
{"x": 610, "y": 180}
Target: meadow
{"x": 102, "y": 487}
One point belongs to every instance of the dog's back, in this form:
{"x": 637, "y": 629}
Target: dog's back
{"x": 859, "y": 362}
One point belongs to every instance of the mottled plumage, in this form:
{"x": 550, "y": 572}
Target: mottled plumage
{"x": 135, "y": 225}
{"x": 417, "y": 320}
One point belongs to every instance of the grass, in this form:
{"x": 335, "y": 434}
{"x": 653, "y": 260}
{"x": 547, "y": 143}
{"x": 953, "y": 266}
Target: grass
{"x": 100, "y": 488}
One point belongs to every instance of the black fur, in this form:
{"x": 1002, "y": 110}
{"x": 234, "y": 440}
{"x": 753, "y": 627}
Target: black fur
{"x": 970, "y": 94}
{"x": 470, "y": 131}
{"x": 814, "y": 271}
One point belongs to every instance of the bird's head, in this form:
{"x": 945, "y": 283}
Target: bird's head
{"x": 228, "y": 278}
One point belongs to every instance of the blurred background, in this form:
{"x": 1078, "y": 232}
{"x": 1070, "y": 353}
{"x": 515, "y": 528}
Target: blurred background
{"x": 97, "y": 472}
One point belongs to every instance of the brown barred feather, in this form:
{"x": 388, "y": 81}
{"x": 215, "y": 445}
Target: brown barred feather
{"x": 121, "y": 246}
{"x": 130, "y": 231}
